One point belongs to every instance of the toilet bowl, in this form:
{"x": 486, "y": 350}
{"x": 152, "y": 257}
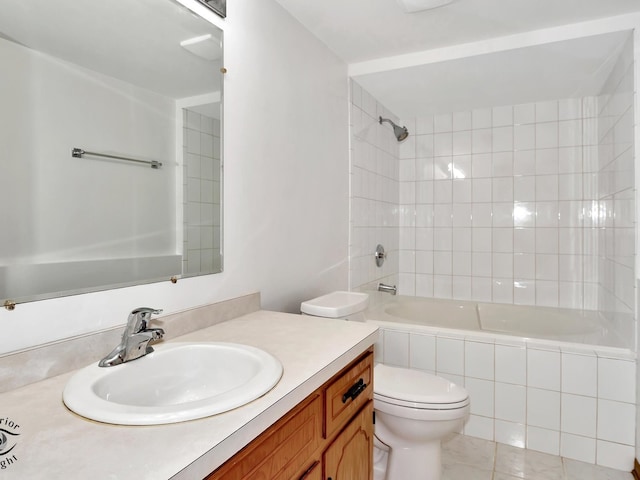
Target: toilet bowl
{"x": 414, "y": 409}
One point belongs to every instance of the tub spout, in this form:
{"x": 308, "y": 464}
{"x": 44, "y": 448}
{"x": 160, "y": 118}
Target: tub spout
{"x": 387, "y": 288}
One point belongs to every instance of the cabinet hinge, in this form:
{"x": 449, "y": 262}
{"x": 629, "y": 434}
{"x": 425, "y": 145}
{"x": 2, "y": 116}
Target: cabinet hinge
{"x": 374, "y": 417}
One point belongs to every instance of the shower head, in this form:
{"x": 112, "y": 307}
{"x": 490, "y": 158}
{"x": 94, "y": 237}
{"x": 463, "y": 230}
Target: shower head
{"x": 400, "y": 132}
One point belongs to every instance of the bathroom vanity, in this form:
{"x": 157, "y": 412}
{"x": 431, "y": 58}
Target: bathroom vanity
{"x": 299, "y": 429}
{"x": 330, "y": 431}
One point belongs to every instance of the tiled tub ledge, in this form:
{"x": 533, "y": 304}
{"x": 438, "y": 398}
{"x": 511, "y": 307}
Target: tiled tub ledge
{"x": 578, "y": 403}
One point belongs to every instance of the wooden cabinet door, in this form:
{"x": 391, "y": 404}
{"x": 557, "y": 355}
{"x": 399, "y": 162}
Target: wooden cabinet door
{"x": 282, "y": 450}
{"x": 314, "y": 473}
{"x": 350, "y": 456}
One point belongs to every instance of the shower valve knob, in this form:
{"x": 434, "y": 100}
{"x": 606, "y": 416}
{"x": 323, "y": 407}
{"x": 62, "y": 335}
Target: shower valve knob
{"x": 380, "y": 255}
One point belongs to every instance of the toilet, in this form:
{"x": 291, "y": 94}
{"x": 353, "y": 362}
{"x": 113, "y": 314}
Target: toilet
{"x": 414, "y": 410}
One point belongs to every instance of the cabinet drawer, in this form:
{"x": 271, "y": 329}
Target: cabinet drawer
{"x": 282, "y": 450}
{"x": 348, "y": 393}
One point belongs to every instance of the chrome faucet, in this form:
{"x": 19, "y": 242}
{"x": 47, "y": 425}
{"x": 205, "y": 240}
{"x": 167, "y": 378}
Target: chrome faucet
{"x": 135, "y": 339}
{"x": 387, "y": 288}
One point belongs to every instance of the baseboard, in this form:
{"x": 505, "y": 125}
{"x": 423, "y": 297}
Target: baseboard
{"x": 636, "y": 469}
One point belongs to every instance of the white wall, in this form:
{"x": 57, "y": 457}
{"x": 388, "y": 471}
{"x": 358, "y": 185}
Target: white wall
{"x": 285, "y": 186}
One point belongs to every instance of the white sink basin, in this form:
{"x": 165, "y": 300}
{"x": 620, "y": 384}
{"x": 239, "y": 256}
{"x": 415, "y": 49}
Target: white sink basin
{"x": 177, "y": 382}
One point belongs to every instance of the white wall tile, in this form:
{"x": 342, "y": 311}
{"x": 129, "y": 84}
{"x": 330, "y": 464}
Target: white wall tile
{"x": 578, "y": 415}
{"x": 547, "y": 161}
{"x": 396, "y": 348}
{"x": 570, "y": 133}
{"x": 481, "y": 190}
{"x": 546, "y": 135}
{"x": 543, "y": 369}
{"x": 481, "y": 165}
{"x": 461, "y": 143}
{"x": 542, "y": 440}
{"x": 524, "y": 162}
{"x": 510, "y": 364}
{"x": 524, "y": 137}
{"x": 502, "y": 139}
{"x": 422, "y": 352}
{"x": 616, "y": 380}
{"x": 578, "y": 374}
{"x": 510, "y": 433}
{"x": 616, "y": 422}
{"x": 461, "y": 287}
{"x": 482, "y": 396}
{"x": 479, "y": 360}
{"x": 570, "y": 108}
{"x": 450, "y": 356}
{"x": 502, "y": 165}
{"x": 481, "y": 289}
{"x": 442, "y": 286}
{"x": 543, "y": 408}
{"x": 510, "y": 402}
{"x": 578, "y": 448}
{"x": 479, "y": 427}
{"x": 481, "y": 140}
{"x": 614, "y": 455}
{"x": 443, "y": 144}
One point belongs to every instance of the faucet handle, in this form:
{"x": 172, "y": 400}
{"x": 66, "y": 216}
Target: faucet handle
{"x": 139, "y": 318}
{"x": 147, "y": 310}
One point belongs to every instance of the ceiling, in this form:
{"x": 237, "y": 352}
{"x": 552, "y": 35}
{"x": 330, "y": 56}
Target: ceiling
{"x": 567, "y": 69}
{"x": 364, "y": 30}
{"x": 358, "y": 30}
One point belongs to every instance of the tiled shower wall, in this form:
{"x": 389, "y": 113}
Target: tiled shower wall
{"x": 374, "y": 192}
{"x": 616, "y": 195}
{"x": 202, "y": 194}
{"x": 497, "y": 205}
{"x": 530, "y": 204}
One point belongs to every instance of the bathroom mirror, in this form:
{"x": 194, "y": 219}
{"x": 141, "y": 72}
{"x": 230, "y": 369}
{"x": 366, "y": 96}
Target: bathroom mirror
{"x": 134, "y": 90}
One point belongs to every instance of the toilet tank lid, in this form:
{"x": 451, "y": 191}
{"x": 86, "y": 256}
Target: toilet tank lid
{"x": 336, "y": 304}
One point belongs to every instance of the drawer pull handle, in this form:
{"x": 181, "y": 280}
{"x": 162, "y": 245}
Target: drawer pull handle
{"x": 355, "y": 390}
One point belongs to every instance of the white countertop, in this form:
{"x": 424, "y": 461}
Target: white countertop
{"x": 56, "y": 443}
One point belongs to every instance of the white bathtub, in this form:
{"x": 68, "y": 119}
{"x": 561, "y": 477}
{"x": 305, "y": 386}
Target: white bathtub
{"x": 525, "y": 368}
{"x": 523, "y": 322}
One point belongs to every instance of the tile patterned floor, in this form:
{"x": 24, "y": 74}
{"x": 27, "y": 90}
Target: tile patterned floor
{"x": 467, "y": 458}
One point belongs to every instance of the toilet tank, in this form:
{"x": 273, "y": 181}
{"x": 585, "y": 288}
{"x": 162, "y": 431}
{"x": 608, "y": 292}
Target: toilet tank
{"x": 345, "y": 305}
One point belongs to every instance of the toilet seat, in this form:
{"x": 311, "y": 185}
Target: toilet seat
{"x": 421, "y": 406}
{"x": 410, "y": 388}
